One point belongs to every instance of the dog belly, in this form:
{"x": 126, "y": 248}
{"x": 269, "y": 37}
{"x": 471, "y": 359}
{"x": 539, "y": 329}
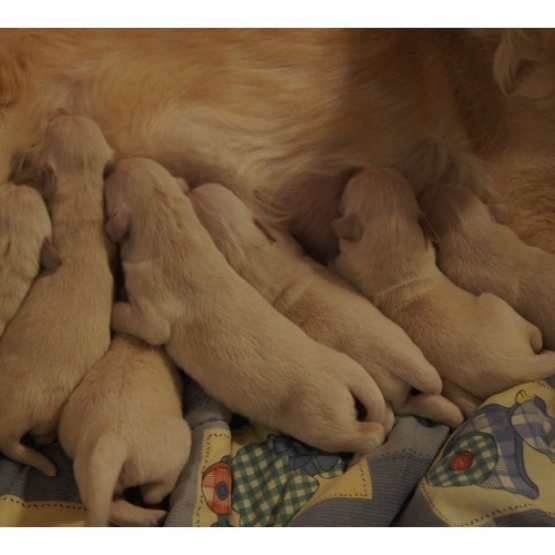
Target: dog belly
{"x": 283, "y": 115}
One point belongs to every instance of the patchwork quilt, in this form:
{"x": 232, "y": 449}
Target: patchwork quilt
{"x": 496, "y": 469}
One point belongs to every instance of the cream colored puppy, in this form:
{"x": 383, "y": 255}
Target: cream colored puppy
{"x": 322, "y": 304}
{"x": 63, "y": 325}
{"x": 479, "y": 254}
{"x": 25, "y": 246}
{"x": 477, "y": 342}
{"x": 124, "y": 427}
{"x": 184, "y": 295}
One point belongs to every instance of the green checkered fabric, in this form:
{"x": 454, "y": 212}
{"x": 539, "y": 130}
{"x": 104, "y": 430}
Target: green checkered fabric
{"x": 266, "y": 490}
{"x": 484, "y": 459}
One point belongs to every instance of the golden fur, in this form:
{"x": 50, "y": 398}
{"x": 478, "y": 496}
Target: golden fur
{"x": 63, "y": 326}
{"x": 124, "y": 427}
{"x": 216, "y": 327}
{"x": 282, "y": 113}
{"x": 520, "y": 135}
{"x": 288, "y": 113}
{"x": 477, "y": 342}
{"x": 481, "y": 255}
{"x": 25, "y": 245}
{"x": 286, "y": 116}
{"x": 322, "y": 304}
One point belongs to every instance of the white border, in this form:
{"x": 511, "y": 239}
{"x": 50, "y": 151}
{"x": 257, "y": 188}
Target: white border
{"x": 277, "y": 13}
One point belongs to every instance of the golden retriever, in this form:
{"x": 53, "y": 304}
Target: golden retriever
{"x": 286, "y": 115}
{"x": 326, "y": 307}
{"x": 477, "y": 342}
{"x": 482, "y": 255}
{"x": 25, "y": 244}
{"x": 219, "y": 330}
{"x": 283, "y": 115}
{"x": 63, "y": 326}
{"x": 123, "y": 426}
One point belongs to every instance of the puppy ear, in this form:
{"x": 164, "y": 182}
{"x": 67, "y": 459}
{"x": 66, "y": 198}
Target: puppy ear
{"x": 48, "y": 181}
{"x": 183, "y": 185}
{"x": 49, "y": 257}
{"x": 429, "y": 232}
{"x": 118, "y": 224}
{"x": 266, "y": 229}
{"x": 348, "y": 227}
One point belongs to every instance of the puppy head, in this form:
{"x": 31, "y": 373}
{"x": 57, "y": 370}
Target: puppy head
{"x": 379, "y": 209}
{"x": 129, "y": 186}
{"x": 72, "y": 144}
{"x": 231, "y": 223}
{"x": 447, "y": 207}
{"x": 23, "y": 215}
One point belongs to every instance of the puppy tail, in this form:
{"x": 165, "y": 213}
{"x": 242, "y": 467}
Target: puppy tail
{"x": 23, "y": 454}
{"x": 96, "y": 474}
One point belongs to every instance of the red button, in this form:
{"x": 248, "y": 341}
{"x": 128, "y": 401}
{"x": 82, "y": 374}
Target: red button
{"x": 462, "y": 461}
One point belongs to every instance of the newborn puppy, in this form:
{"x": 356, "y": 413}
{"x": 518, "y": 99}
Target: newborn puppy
{"x": 63, "y": 326}
{"x": 184, "y": 295}
{"x": 124, "y": 427}
{"x": 25, "y": 246}
{"x": 322, "y": 304}
{"x": 477, "y": 342}
{"x": 479, "y": 254}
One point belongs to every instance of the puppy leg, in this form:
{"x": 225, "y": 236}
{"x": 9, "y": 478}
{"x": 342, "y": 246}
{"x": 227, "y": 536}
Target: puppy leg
{"x": 140, "y": 322}
{"x": 25, "y": 455}
{"x": 155, "y": 492}
{"x": 464, "y": 400}
{"x": 123, "y": 513}
{"x": 535, "y": 367}
{"x": 535, "y": 336}
{"x": 389, "y": 420}
{"x": 435, "y": 407}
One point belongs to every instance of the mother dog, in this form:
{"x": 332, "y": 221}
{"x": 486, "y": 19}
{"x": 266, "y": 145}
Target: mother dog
{"x": 284, "y": 114}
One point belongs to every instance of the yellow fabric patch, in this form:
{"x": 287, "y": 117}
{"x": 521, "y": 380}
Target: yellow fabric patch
{"x": 356, "y": 482}
{"x": 500, "y": 462}
{"x": 256, "y": 477}
{"x": 16, "y": 512}
{"x": 216, "y": 445}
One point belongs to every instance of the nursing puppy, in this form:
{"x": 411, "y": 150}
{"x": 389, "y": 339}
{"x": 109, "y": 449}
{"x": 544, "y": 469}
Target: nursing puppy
{"x": 477, "y": 342}
{"x": 124, "y": 427}
{"x": 184, "y": 295}
{"x": 25, "y": 246}
{"x": 481, "y": 255}
{"x": 322, "y": 304}
{"x": 63, "y": 325}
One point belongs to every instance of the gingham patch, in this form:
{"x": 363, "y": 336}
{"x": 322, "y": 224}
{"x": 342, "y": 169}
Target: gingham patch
{"x": 505, "y": 470}
{"x": 468, "y": 460}
{"x": 267, "y": 492}
{"x": 535, "y": 425}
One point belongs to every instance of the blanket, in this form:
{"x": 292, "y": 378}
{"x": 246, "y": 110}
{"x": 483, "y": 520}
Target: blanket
{"x": 496, "y": 469}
